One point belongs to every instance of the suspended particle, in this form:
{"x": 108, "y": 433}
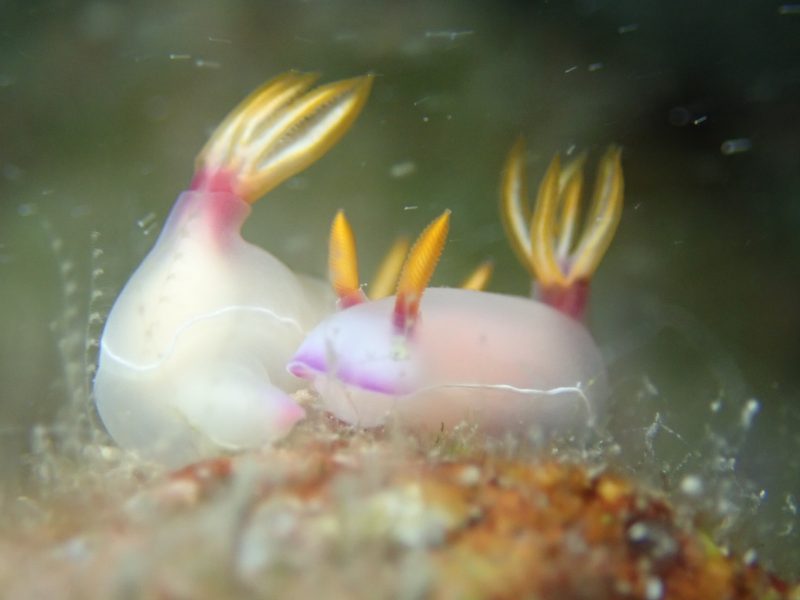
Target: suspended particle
{"x": 735, "y": 146}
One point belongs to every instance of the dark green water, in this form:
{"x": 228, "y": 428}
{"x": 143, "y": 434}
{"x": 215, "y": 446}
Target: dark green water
{"x": 103, "y": 106}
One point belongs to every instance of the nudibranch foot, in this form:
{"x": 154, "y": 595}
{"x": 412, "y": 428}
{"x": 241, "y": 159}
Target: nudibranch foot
{"x": 549, "y": 241}
{"x": 192, "y": 358}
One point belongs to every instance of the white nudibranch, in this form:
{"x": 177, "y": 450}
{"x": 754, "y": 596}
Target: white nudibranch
{"x": 453, "y": 355}
{"x": 192, "y": 358}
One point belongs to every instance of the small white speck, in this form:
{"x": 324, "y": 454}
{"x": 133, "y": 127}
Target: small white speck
{"x": 146, "y": 222}
{"x": 649, "y": 386}
{"x": 750, "y": 557}
{"x": 749, "y": 412}
{"x": 411, "y": 207}
{"x": 449, "y": 35}
{"x": 692, "y": 485}
{"x": 715, "y": 406}
{"x": 571, "y": 69}
{"x": 206, "y": 64}
{"x": 595, "y": 67}
{"x": 789, "y": 9}
{"x": 725, "y": 464}
{"x": 469, "y": 475}
{"x": 637, "y": 532}
{"x": 67, "y": 266}
{"x": 735, "y": 146}
{"x": 791, "y": 505}
{"x": 403, "y": 169}
{"x": 622, "y": 29}
{"x": 180, "y": 56}
{"x": 219, "y": 40}
{"x": 653, "y": 589}
{"x": 426, "y": 119}
{"x": 700, "y": 120}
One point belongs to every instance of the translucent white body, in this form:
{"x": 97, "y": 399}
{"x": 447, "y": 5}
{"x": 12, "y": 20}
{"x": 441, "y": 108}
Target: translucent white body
{"x": 504, "y": 362}
{"x": 193, "y": 354}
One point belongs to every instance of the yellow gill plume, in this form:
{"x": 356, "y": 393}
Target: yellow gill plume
{"x": 282, "y": 128}
{"x": 479, "y": 278}
{"x": 550, "y": 242}
{"x": 385, "y": 279}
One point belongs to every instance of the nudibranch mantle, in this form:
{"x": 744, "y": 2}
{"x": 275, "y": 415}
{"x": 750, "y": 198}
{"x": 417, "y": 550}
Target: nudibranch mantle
{"x": 192, "y": 357}
{"x": 503, "y": 361}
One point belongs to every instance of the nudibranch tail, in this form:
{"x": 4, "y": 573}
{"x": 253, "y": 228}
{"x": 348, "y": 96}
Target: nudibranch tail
{"x": 279, "y": 130}
{"x": 561, "y": 255}
{"x": 418, "y": 270}
{"x": 385, "y": 280}
{"x": 479, "y": 278}
{"x": 343, "y": 262}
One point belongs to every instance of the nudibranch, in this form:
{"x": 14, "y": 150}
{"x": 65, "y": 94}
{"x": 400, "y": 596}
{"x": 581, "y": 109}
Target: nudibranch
{"x": 453, "y": 355}
{"x": 192, "y": 357}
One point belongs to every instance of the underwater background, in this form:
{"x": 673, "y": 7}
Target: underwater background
{"x": 103, "y": 106}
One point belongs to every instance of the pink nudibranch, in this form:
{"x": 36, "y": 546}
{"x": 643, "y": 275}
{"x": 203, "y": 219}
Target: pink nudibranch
{"x": 501, "y": 361}
{"x": 192, "y": 357}
{"x": 453, "y": 355}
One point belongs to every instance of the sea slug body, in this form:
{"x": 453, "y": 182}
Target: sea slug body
{"x": 193, "y": 352}
{"x": 451, "y": 355}
{"x": 470, "y": 357}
